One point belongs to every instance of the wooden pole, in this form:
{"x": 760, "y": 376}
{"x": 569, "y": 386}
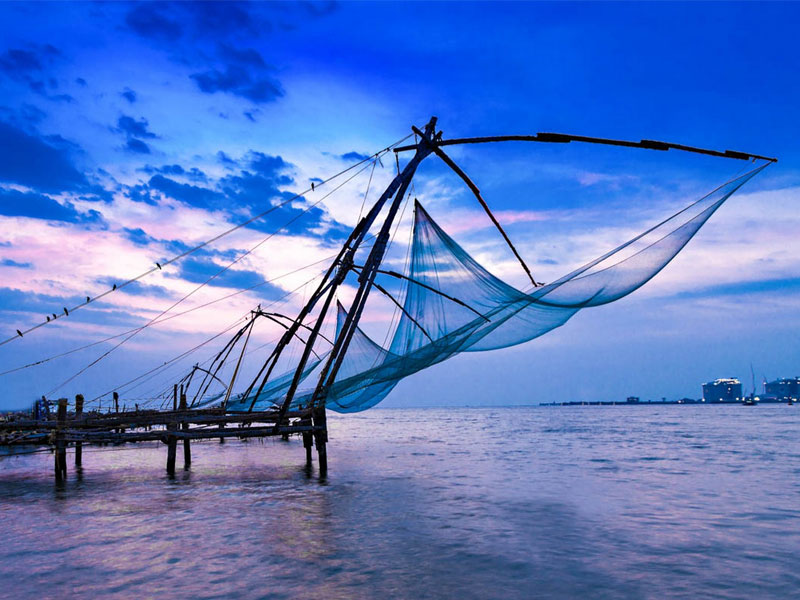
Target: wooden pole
{"x": 78, "y": 417}
{"x": 61, "y": 445}
{"x": 308, "y": 441}
{"x": 471, "y": 185}
{"x": 367, "y": 276}
{"x": 284, "y": 436}
{"x": 187, "y": 449}
{"x": 116, "y": 407}
{"x": 239, "y": 362}
{"x": 344, "y": 264}
{"x": 172, "y": 443}
{"x": 564, "y": 138}
{"x": 321, "y": 438}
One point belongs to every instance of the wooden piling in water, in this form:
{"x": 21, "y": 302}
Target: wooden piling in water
{"x": 167, "y": 426}
{"x": 308, "y": 444}
{"x": 308, "y": 440}
{"x": 187, "y": 449}
{"x": 172, "y": 447}
{"x": 78, "y": 417}
{"x": 321, "y": 438}
{"x": 60, "y": 463}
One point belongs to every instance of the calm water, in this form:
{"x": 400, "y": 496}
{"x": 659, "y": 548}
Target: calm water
{"x": 589, "y": 502}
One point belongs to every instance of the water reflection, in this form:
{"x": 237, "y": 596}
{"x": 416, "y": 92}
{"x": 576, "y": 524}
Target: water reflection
{"x": 512, "y": 503}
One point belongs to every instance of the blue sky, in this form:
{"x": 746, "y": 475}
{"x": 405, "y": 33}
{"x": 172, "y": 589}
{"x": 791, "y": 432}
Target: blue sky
{"x": 130, "y": 132}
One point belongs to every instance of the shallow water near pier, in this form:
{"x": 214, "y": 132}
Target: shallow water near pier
{"x": 539, "y": 502}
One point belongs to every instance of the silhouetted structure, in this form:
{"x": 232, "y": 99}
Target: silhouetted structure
{"x": 723, "y": 390}
{"x": 784, "y": 389}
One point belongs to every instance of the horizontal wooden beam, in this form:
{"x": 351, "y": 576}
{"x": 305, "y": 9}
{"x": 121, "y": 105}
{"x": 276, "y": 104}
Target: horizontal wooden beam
{"x": 100, "y": 437}
{"x": 154, "y": 418}
{"x": 564, "y": 138}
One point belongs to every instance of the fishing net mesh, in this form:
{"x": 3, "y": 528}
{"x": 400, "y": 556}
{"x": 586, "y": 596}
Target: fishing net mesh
{"x": 452, "y": 304}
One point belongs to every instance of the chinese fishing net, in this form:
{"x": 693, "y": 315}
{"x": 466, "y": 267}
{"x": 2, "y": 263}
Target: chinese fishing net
{"x": 452, "y": 304}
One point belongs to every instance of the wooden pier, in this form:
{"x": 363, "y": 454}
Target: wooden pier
{"x": 78, "y": 429}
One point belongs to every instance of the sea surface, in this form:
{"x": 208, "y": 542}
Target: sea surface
{"x": 540, "y": 502}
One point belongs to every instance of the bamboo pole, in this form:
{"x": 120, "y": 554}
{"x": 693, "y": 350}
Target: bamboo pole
{"x": 61, "y": 445}
{"x": 564, "y": 138}
{"x": 321, "y": 438}
{"x": 187, "y": 448}
{"x": 78, "y": 417}
{"x": 172, "y": 443}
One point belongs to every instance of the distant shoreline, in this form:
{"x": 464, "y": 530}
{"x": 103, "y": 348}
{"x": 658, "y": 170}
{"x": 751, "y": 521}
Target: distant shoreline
{"x": 662, "y": 402}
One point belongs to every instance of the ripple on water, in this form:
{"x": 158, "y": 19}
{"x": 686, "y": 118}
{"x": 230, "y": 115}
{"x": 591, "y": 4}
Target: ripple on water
{"x": 548, "y": 502}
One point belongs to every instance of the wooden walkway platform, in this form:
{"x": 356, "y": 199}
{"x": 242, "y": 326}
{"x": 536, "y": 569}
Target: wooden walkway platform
{"x": 181, "y": 424}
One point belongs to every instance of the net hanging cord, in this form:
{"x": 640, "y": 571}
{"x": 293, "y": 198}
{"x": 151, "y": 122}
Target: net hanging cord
{"x": 580, "y": 270}
{"x": 366, "y": 193}
{"x": 161, "y": 366}
{"x": 236, "y": 260}
{"x": 174, "y": 316}
{"x": 477, "y": 193}
{"x": 708, "y": 211}
{"x": 171, "y": 361}
{"x": 396, "y": 308}
{"x": 160, "y": 265}
{"x": 209, "y": 359}
{"x": 165, "y": 319}
{"x": 303, "y": 285}
{"x": 202, "y": 285}
{"x": 164, "y": 367}
{"x": 166, "y": 363}
{"x": 395, "y": 321}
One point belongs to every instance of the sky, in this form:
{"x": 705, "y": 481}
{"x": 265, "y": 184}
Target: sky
{"x": 130, "y": 133}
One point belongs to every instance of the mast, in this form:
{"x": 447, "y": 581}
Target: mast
{"x": 366, "y": 277}
{"x": 343, "y": 265}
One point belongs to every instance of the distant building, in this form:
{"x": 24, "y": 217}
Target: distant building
{"x": 632, "y": 400}
{"x": 723, "y": 390}
{"x": 784, "y": 389}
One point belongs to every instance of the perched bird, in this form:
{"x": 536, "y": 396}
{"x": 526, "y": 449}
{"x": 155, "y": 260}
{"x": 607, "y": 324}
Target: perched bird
{"x": 48, "y": 319}
{"x": 88, "y": 299}
{"x": 19, "y": 332}
{"x": 159, "y": 266}
{"x": 55, "y": 316}
{"x": 115, "y": 287}
{"x": 312, "y": 186}
{"x": 66, "y": 312}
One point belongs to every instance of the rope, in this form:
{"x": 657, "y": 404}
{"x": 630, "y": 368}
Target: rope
{"x": 159, "y": 321}
{"x": 202, "y": 285}
{"x": 366, "y": 193}
{"x": 172, "y": 362}
{"x": 209, "y": 340}
{"x": 185, "y": 354}
{"x": 209, "y": 359}
{"x": 160, "y": 265}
